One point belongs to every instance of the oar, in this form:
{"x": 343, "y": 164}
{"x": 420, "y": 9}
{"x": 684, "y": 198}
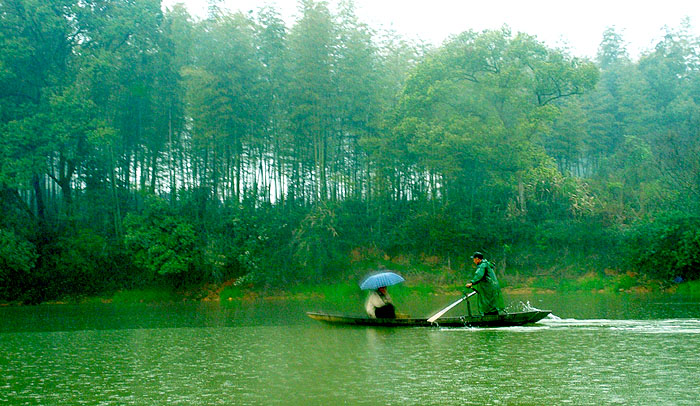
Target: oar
{"x": 445, "y": 310}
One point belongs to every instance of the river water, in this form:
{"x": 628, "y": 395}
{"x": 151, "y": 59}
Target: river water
{"x": 595, "y": 349}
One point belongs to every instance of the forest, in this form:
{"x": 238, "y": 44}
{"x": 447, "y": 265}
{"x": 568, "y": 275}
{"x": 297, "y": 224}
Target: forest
{"x": 142, "y": 147}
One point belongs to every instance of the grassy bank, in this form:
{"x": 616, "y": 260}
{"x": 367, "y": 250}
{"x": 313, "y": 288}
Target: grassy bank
{"x": 420, "y": 282}
{"x": 349, "y": 290}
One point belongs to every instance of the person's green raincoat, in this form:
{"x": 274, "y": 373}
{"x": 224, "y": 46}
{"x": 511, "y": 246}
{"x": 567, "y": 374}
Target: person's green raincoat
{"x": 486, "y": 284}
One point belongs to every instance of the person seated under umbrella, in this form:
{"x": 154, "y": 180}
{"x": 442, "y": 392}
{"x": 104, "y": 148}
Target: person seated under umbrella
{"x": 379, "y": 305}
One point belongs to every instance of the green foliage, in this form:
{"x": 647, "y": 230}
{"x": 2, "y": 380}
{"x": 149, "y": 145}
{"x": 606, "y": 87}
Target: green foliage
{"x": 335, "y": 293}
{"x": 401, "y": 293}
{"x": 16, "y": 254}
{"x": 231, "y": 293}
{"x": 665, "y": 247}
{"x": 161, "y": 243}
{"x": 624, "y": 282}
{"x": 82, "y": 261}
{"x": 691, "y": 288}
{"x": 350, "y": 292}
{"x": 78, "y": 261}
{"x": 269, "y": 153}
{"x": 588, "y": 282}
{"x": 18, "y": 258}
{"x": 318, "y": 247}
{"x": 471, "y": 114}
{"x": 251, "y": 242}
{"x": 143, "y": 296}
{"x": 548, "y": 283}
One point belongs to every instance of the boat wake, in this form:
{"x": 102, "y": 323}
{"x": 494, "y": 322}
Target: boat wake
{"x": 552, "y": 322}
{"x": 525, "y": 307}
{"x": 660, "y": 326}
{"x": 663, "y": 326}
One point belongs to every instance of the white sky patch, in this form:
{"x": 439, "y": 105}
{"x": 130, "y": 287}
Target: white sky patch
{"x": 578, "y": 25}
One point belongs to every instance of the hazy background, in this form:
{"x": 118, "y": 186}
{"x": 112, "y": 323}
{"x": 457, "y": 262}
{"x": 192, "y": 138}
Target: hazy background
{"x": 578, "y": 25}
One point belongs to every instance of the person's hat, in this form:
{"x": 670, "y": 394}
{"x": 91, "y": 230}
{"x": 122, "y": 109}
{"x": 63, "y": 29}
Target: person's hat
{"x": 478, "y": 255}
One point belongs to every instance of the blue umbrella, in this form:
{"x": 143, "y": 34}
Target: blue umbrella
{"x": 378, "y": 280}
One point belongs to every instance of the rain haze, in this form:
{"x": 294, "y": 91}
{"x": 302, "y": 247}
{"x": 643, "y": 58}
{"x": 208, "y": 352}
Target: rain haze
{"x": 578, "y": 26}
{"x": 354, "y": 202}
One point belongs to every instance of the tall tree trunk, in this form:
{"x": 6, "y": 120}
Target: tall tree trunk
{"x": 215, "y": 175}
{"x": 171, "y": 158}
{"x": 39, "y": 198}
{"x": 521, "y": 194}
{"x": 154, "y": 170}
{"x": 115, "y": 198}
{"x": 66, "y": 169}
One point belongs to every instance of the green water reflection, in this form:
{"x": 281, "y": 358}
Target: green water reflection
{"x": 596, "y": 349}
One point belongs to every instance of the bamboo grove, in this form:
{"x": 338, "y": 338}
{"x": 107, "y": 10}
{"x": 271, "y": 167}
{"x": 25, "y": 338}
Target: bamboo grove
{"x": 143, "y": 147}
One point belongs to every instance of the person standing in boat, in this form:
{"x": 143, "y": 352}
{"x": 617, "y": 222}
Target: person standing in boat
{"x": 486, "y": 284}
{"x": 379, "y": 305}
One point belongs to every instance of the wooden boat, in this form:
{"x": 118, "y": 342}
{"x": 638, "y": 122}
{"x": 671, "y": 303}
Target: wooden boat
{"x": 500, "y": 320}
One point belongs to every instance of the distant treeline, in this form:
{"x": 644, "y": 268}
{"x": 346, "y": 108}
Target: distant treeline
{"x": 146, "y": 148}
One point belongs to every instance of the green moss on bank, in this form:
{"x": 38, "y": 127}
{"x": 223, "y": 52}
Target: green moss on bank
{"x": 691, "y": 288}
{"x": 144, "y": 296}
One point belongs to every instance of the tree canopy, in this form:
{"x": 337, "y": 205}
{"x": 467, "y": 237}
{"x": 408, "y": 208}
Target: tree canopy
{"x": 144, "y": 147}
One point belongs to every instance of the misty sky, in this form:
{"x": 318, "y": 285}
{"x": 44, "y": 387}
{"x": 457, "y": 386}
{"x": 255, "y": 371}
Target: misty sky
{"x": 576, "y": 24}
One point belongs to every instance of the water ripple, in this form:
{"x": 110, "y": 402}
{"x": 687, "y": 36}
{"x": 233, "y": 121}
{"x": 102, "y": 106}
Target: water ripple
{"x": 665, "y": 326}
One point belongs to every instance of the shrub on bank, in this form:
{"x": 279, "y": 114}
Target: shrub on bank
{"x": 666, "y": 247}
{"x": 691, "y": 288}
{"x": 587, "y": 282}
{"x": 143, "y": 296}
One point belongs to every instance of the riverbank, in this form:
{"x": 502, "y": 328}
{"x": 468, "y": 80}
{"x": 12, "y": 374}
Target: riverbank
{"x": 232, "y": 290}
{"x": 607, "y": 282}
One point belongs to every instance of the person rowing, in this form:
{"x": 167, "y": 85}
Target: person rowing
{"x": 486, "y": 284}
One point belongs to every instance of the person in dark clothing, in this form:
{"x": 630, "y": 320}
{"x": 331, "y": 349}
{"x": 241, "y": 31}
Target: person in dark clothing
{"x": 379, "y": 305}
{"x": 486, "y": 284}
